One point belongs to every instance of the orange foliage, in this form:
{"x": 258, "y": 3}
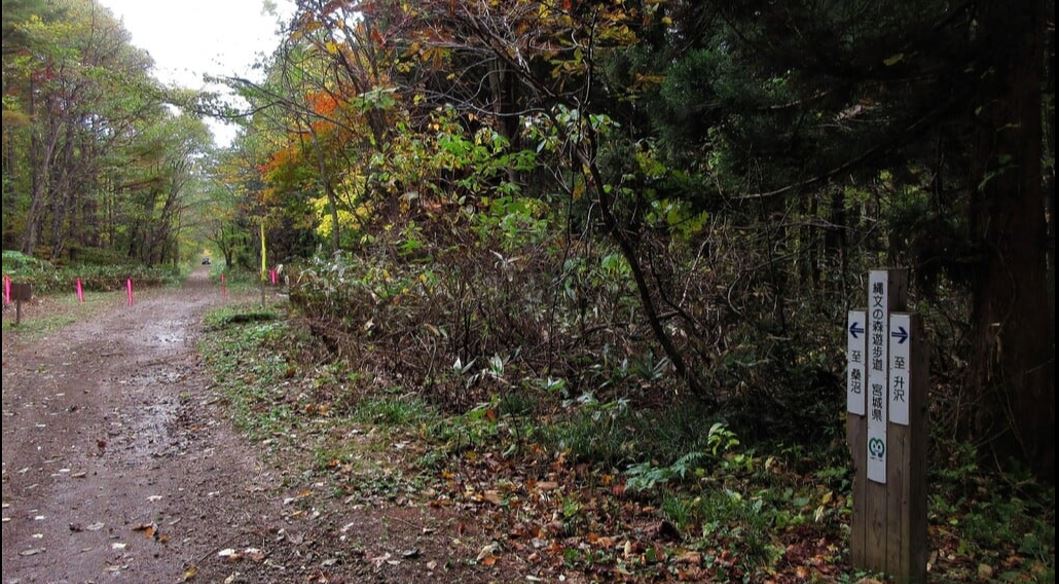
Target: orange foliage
{"x": 322, "y": 103}
{"x": 280, "y": 158}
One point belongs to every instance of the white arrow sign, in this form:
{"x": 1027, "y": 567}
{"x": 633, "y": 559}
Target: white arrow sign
{"x": 856, "y": 362}
{"x": 899, "y": 342}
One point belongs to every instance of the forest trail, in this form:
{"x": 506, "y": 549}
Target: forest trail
{"x": 115, "y": 463}
{"x": 120, "y": 464}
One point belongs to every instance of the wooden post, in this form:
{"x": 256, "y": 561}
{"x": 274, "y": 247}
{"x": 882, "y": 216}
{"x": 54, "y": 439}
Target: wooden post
{"x": 20, "y": 293}
{"x": 856, "y": 444}
{"x": 261, "y": 232}
{"x": 887, "y": 432}
{"x": 907, "y": 531}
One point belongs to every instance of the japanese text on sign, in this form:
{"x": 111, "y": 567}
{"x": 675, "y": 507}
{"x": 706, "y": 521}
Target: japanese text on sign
{"x": 877, "y": 378}
{"x": 899, "y": 369}
{"x": 856, "y": 362}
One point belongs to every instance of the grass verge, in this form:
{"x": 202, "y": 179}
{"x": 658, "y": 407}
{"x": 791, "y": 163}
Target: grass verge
{"x": 599, "y": 489}
{"x": 51, "y": 313}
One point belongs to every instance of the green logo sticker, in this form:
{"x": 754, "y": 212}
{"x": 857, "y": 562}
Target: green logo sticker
{"x": 876, "y": 447}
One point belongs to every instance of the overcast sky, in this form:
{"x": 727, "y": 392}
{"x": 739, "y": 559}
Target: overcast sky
{"x": 191, "y": 38}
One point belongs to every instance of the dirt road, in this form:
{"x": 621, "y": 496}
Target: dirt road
{"x": 115, "y": 465}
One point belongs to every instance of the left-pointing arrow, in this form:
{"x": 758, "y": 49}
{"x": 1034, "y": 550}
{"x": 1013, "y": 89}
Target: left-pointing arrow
{"x": 856, "y": 330}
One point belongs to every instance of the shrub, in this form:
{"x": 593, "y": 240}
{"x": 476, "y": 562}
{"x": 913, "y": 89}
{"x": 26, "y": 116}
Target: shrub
{"x": 47, "y": 279}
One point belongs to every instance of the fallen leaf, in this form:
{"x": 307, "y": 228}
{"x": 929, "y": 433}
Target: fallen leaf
{"x": 31, "y": 552}
{"x": 189, "y": 573}
{"x": 230, "y": 555}
{"x": 411, "y": 554}
{"x": 149, "y": 529}
{"x": 379, "y": 560}
{"x": 693, "y": 558}
{"x": 488, "y": 551}
{"x": 254, "y": 554}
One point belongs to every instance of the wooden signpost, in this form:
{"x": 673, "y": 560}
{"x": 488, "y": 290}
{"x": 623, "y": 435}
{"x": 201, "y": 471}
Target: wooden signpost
{"x": 887, "y": 426}
{"x": 20, "y": 293}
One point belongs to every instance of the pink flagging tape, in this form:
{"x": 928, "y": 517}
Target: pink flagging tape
{"x": 272, "y": 276}
{"x": 129, "y": 290}
{"x": 7, "y": 290}
{"x": 80, "y": 292}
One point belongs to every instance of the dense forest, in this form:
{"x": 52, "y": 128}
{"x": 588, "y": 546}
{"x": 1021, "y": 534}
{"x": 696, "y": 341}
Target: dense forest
{"x": 650, "y": 205}
{"x": 97, "y": 157}
{"x": 698, "y": 188}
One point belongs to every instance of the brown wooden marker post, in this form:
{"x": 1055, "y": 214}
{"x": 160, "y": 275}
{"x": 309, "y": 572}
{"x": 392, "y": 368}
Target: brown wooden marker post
{"x": 20, "y": 293}
{"x": 887, "y": 431}
{"x": 918, "y": 510}
{"x": 907, "y": 526}
{"x": 856, "y": 442}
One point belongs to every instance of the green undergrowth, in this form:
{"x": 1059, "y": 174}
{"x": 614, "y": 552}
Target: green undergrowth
{"x": 276, "y": 399}
{"x": 236, "y": 279}
{"x": 56, "y": 313}
{"x": 47, "y": 278}
{"x": 752, "y": 510}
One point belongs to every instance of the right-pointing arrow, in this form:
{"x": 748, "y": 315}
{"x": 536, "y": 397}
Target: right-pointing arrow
{"x": 901, "y": 334}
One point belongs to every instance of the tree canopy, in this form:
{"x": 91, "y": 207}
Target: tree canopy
{"x": 699, "y": 185}
{"x": 96, "y": 152}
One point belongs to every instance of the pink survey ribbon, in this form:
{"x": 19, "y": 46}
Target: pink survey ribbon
{"x": 129, "y": 290}
{"x": 272, "y": 276}
{"x": 80, "y": 292}
{"x": 7, "y": 290}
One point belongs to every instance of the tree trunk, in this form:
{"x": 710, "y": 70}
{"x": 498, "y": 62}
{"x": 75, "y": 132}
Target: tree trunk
{"x": 626, "y": 247}
{"x": 42, "y": 148}
{"x": 329, "y": 190}
{"x": 1014, "y": 363}
{"x": 61, "y": 192}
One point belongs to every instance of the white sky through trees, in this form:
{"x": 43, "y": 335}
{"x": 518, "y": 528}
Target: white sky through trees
{"x": 192, "y": 38}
